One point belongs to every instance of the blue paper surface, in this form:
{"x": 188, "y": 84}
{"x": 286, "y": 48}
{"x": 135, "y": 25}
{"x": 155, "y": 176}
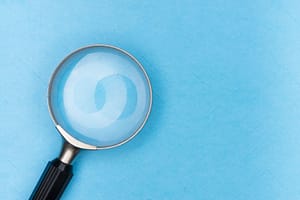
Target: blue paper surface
{"x": 226, "y": 83}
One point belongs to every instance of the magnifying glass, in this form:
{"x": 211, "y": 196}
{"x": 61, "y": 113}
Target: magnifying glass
{"x": 99, "y": 97}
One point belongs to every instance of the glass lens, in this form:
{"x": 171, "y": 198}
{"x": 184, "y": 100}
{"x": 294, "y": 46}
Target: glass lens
{"x": 100, "y": 95}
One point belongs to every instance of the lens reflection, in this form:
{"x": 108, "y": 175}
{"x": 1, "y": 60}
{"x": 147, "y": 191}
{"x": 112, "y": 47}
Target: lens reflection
{"x": 100, "y": 96}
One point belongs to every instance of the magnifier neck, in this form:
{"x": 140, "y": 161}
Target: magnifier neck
{"x": 68, "y": 153}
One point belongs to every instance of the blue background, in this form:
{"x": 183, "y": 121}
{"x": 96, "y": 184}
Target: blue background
{"x": 226, "y": 82}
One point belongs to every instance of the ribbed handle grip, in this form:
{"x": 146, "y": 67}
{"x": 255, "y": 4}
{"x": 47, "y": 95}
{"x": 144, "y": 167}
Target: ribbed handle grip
{"x": 53, "y": 181}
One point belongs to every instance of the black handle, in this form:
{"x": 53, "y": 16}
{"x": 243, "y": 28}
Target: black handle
{"x": 53, "y": 181}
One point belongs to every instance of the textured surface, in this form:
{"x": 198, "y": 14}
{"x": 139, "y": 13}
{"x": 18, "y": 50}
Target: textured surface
{"x": 226, "y": 82}
{"x": 53, "y": 182}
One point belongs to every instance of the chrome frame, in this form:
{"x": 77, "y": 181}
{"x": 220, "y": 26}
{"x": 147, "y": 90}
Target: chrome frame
{"x": 67, "y": 136}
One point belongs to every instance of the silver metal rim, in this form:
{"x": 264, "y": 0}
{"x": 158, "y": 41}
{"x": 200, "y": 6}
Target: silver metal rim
{"x": 68, "y": 137}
